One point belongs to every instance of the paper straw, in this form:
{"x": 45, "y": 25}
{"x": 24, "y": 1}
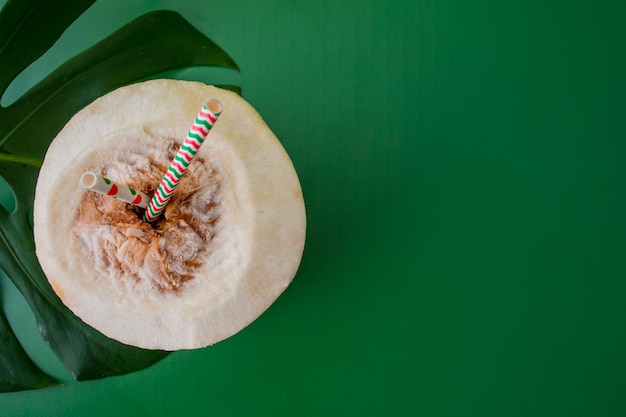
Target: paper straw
{"x": 122, "y": 192}
{"x": 197, "y": 133}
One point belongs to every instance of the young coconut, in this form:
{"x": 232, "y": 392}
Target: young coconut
{"x": 228, "y": 244}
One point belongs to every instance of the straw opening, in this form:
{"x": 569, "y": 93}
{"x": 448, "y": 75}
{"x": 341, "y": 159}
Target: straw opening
{"x": 214, "y": 106}
{"x": 88, "y": 180}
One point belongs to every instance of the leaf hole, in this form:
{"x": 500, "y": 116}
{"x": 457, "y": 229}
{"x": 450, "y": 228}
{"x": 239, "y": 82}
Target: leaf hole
{"x": 7, "y": 196}
{"x": 31, "y": 222}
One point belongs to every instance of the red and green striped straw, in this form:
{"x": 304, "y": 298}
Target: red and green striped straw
{"x": 103, "y": 185}
{"x": 198, "y": 132}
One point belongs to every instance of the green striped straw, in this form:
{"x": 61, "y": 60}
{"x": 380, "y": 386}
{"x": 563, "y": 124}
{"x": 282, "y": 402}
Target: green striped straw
{"x": 198, "y": 132}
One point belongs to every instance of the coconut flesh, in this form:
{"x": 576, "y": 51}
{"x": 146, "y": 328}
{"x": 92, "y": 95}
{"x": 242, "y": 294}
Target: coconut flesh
{"x": 230, "y": 240}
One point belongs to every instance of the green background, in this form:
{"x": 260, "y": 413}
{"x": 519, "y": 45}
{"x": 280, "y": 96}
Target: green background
{"x": 463, "y": 167}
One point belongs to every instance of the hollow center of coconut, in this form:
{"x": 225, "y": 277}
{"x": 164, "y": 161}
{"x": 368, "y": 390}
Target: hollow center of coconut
{"x": 138, "y": 257}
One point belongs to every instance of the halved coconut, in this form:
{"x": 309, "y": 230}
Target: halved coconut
{"x": 228, "y": 244}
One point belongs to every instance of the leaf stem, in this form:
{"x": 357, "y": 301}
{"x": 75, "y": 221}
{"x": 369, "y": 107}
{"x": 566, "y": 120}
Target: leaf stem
{"x": 21, "y": 159}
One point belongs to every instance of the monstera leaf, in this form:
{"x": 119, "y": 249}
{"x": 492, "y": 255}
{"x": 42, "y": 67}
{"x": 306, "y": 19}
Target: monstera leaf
{"x": 152, "y": 44}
